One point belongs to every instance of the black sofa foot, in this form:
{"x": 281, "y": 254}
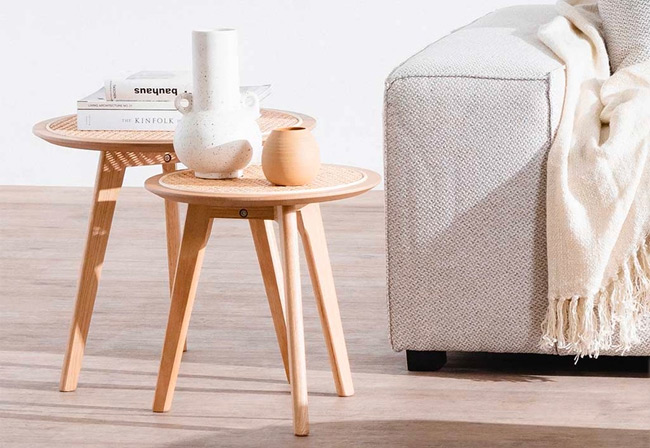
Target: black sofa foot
{"x": 425, "y": 361}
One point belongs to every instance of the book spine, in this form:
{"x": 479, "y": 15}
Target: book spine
{"x": 144, "y": 89}
{"x": 127, "y": 120}
{"x": 125, "y": 105}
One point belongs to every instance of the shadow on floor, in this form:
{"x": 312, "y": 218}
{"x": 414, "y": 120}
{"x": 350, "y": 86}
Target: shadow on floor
{"x": 422, "y": 433}
{"x": 149, "y": 374}
{"x": 510, "y": 367}
{"x": 379, "y": 433}
{"x": 490, "y": 367}
{"x": 51, "y": 386}
{"x": 499, "y": 364}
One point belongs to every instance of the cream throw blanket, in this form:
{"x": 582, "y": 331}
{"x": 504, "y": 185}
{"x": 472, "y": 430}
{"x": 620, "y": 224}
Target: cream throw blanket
{"x": 598, "y": 199}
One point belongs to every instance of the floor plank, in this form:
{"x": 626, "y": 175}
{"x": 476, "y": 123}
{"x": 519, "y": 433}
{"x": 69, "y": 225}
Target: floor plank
{"x": 231, "y": 389}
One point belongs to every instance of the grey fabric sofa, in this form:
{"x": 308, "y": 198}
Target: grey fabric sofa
{"x": 468, "y": 123}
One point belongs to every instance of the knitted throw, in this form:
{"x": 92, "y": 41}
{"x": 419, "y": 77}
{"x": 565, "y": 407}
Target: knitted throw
{"x": 598, "y": 197}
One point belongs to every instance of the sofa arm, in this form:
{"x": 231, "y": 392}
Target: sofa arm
{"x": 500, "y": 45}
{"x": 468, "y": 123}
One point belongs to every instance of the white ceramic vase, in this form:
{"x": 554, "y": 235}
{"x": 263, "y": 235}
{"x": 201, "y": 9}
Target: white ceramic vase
{"x": 218, "y": 133}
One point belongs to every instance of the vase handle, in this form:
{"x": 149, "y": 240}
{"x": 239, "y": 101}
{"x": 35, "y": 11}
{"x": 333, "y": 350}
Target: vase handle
{"x": 251, "y": 103}
{"x": 178, "y": 102}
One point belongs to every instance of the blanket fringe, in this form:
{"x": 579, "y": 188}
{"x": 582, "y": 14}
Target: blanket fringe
{"x": 586, "y": 325}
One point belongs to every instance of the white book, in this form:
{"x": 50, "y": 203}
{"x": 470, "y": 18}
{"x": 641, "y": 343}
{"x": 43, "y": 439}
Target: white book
{"x": 127, "y": 120}
{"x": 98, "y": 100}
{"x": 148, "y": 86}
{"x": 96, "y": 113}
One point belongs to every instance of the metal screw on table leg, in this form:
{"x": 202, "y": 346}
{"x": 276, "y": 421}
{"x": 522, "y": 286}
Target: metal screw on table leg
{"x": 243, "y": 213}
{"x": 167, "y": 157}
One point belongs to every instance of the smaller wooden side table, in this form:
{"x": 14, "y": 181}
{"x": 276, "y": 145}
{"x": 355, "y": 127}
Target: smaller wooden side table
{"x": 297, "y": 211}
{"x": 119, "y": 150}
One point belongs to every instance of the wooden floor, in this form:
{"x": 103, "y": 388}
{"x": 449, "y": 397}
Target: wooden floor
{"x": 232, "y": 391}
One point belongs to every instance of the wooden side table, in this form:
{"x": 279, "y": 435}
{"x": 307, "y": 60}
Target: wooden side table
{"x": 120, "y": 150}
{"x": 297, "y": 211}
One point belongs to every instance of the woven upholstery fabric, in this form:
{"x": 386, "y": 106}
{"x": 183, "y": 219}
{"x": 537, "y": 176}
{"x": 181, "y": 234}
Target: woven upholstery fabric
{"x": 501, "y": 45}
{"x": 627, "y": 31}
{"x": 467, "y": 131}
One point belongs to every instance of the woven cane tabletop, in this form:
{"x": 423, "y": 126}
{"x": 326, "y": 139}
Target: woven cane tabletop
{"x": 332, "y": 182}
{"x": 63, "y": 131}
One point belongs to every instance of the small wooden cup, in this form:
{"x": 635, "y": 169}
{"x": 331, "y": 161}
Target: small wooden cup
{"x": 290, "y": 156}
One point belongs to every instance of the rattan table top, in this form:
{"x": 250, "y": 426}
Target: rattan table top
{"x": 332, "y": 182}
{"x": 63, "y": 131}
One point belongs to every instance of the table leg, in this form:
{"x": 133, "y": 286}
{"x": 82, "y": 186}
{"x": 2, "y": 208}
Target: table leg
{"x": 271, "y": 268}
{"x": 108, "y": 183}
{"x": 196, "y": 233}
{"x": 173, "y": 230}
{"x": 295, "y": 330}
{"x": 310, "y": 225}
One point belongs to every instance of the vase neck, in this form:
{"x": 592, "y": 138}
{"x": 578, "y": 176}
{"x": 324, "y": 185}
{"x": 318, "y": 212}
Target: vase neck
{"x": 215, "y": 70}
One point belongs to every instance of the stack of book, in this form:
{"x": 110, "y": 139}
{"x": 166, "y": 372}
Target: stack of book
{"x": 143, "y": 101}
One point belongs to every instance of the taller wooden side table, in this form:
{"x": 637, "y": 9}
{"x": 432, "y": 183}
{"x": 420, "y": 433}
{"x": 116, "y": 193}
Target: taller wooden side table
{"x": 297, "y": 211}
{"x": 120, "y": 150}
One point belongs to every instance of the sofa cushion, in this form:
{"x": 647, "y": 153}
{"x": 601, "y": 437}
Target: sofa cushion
{"x": 627, "y": 31}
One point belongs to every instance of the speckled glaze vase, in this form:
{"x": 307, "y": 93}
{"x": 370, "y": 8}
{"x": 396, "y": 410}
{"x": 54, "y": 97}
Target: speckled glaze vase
{"x": 218, "y": 133}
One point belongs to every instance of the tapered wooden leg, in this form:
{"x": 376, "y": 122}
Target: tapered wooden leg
{"x": 271, "y": 267}
{"x": 173, "y": 229}
{"x": 311, "y": 229}
{"x": 108, "y": 183}
{"x": 195, "y": 237}
{"x": 295, "y": 330}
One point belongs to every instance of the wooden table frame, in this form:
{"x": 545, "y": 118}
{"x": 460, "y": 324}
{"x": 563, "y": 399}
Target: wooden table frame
{"x": 293, "y": 221}
{"x": 116, "y": 155}
{"x": 108, "y": 183}
{"x": 298, "y": 214}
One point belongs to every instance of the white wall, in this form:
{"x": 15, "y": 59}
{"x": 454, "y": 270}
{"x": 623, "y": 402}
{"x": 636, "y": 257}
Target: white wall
{"x": 327, "y": 58}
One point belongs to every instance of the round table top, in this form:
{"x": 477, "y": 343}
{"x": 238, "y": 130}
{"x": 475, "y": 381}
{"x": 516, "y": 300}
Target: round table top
{"x": 63, "y": 131}
{"x": 332, "y": 182}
